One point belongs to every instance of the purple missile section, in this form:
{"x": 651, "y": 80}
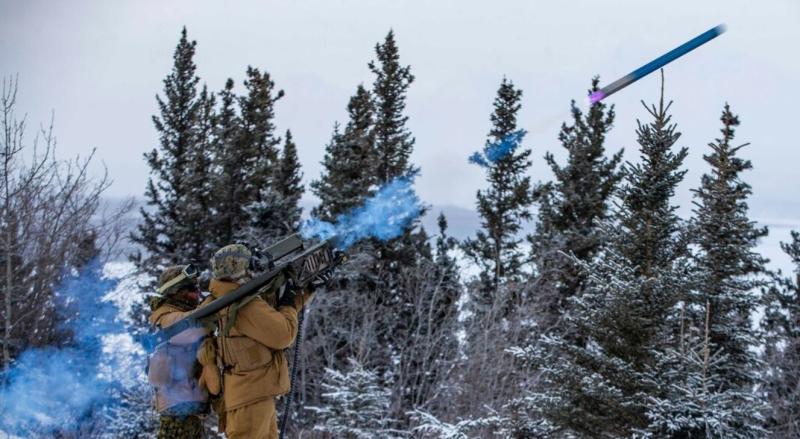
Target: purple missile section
{"x": 596, "y": 97}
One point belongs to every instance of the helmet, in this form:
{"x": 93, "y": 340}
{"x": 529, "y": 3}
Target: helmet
{"x": 231, "y": 262}
{"x": 174, "y": 278}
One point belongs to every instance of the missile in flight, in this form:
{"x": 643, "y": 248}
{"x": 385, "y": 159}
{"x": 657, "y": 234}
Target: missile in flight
{"x": 656, "y": 64}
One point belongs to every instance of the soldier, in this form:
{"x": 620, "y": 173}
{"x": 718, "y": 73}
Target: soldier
{"x": 181, "y": 383}
{"x": 252, "y": 337}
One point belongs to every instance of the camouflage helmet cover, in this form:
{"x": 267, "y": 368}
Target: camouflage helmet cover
{"x": 169, "y": 274}
{"x": 231, "y": 262}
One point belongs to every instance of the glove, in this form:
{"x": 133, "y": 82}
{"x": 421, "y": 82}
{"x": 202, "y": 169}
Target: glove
{"x": 288, "y": 296}
{"x": 207, "y": 353}
{"x": 209, "y": 376}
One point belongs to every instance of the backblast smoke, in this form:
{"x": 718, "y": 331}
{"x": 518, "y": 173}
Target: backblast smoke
{"x": 56, "y": 389}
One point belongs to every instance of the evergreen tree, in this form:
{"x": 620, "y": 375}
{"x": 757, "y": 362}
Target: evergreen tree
{"x": 600, "y": 383}
{"x": 349, "y": 173}
{"x": 504, "y": 205}
{"x": 199, "y": 183}
{"x": 167, "y": 231}
{"x": 697, "y": 402}
{"x": 569, "y": 209}
{"x": 247, "y": 163}
{"x": 230, "y": 193}
{"x": 394, "y": 279}
{"x": 727, "y": 261}
{"x": 258, "y": 129}
{"x": 277, "y": 214}
{"x": 714, "y": 393}
{"x": 393, "y": 141}
{"x": 288, "y": 183}
{"x": 393, "y": 147}
{"x": 355, "y": 404}
{"x": 782, "y": 324}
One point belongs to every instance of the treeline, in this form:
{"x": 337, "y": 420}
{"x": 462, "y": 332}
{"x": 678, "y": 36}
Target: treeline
{"x": 602, "y": 314}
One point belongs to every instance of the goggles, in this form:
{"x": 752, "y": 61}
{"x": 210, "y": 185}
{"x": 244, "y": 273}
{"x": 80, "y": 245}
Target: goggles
{"x": 188, "y": 275}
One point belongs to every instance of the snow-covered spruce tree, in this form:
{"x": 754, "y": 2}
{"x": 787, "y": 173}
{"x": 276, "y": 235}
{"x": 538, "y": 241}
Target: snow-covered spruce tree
{"x": 394, "y": 144}
{"x": 598, "y": 382}
{"x": 277, "y": 213}
{"x": 393, "y": 141}
{"x": 427, "y": 425}
{"x": 341, "y": 329}
{"x": 347, "y": 179}
{"x": 349, "y": 161}
{"x": 355, "y": 404}
{"x": 288, "y": 183}
{"x": 168, "y": 231}
{"x": 728, "y": 276}
{"x": 782, "y": 326}
{"x": 230, "y": 195}
{"x": 260, "y": 151}
{"x": 569, "y": 208}
{"x": 696, "y": 401}
{"x": 505, "y": 204}
{"x": 258, "y": 128}
{"x": 199, "y": 180}
{"x": 386, "y": 288}
{"x": 248, "y": 165}
{"x": 401, "y": 276}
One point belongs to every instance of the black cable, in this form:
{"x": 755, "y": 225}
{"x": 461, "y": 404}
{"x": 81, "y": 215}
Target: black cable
{"x": 293, "y": 373}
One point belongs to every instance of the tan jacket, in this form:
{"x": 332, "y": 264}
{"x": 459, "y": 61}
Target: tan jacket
{"x": 254, "y": 366}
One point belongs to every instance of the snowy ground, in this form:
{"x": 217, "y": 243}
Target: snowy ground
{"x": 123, "y": 356}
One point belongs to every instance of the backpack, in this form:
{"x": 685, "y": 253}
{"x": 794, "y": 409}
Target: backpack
{"x": 174, "y": 372}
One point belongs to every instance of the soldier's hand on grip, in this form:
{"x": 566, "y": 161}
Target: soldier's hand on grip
{"x": 288, "y": 296}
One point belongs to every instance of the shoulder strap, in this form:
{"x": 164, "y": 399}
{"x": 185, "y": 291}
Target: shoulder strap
{"x": 234, "y": 312}
{"x": 271, "y": 287}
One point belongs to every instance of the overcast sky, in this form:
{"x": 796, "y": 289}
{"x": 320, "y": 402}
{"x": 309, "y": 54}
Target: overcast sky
{"x": 99, "y": 65}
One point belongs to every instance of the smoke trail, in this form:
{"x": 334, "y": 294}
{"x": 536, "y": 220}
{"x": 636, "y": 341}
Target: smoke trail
{"x": 56, "y": 389}
{"x": 384, "y": 216}
{"x": 494, "y": 152}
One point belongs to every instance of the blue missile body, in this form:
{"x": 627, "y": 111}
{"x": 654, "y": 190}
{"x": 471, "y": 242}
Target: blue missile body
{"x": 656, "y": 64}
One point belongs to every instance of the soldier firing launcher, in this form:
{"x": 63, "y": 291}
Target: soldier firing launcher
{"x": 289, "y": 256}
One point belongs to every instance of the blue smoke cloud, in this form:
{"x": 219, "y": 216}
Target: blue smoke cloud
{"x": 495, "y": 152}
{"x": 56, "y": 389}
{"x": 384, "y": 216}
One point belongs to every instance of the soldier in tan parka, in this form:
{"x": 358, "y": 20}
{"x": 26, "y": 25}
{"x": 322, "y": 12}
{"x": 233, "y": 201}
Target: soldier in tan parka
{"x": 252, "y": 337}
{"x": 181, "y": 399}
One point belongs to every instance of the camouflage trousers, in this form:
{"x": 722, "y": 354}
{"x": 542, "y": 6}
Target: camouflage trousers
{"x": 180, "y": 427}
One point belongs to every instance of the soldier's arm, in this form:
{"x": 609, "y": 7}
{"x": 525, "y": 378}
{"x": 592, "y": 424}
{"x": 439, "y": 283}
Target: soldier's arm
{"x": 274, "y": 328}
